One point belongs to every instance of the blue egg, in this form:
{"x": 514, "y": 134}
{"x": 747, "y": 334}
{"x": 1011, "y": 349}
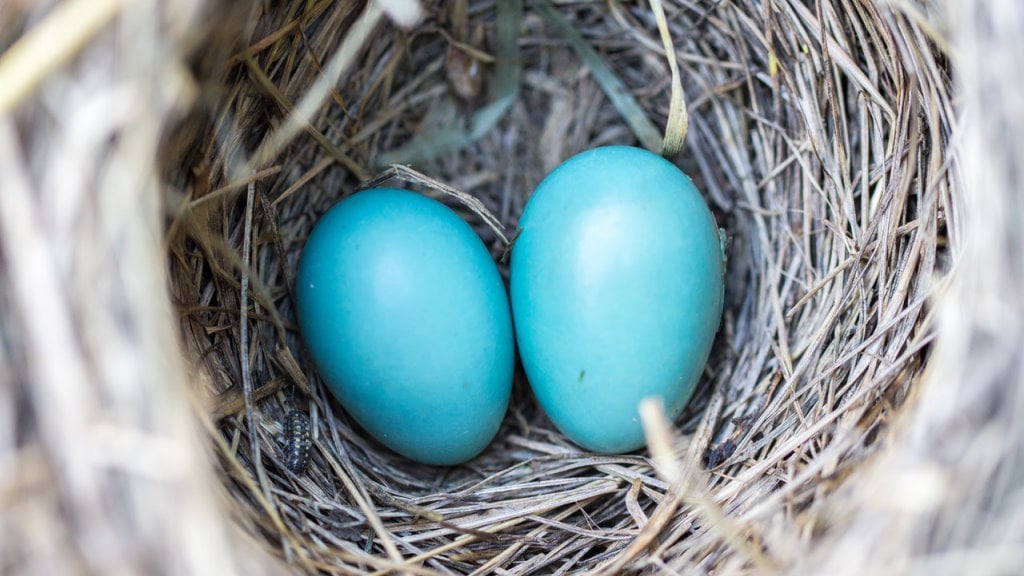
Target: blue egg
{"x": 407, "y": 320}
{"x": 617, "y": 291}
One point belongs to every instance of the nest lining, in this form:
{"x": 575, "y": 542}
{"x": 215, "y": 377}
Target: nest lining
{"x": 821, "y": 158}
{"x": 825, "y": 167}
{"x": 819, "y": 135}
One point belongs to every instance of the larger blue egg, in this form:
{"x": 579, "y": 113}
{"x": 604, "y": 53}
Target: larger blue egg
{"x": 407, "y": 320}
{"x": 617, "y": 290}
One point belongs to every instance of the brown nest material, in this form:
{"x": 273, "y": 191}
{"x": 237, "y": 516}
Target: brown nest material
{"x": 161, "y": 164}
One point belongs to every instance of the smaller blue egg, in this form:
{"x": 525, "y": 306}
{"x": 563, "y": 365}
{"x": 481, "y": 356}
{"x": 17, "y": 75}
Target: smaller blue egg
{"x": 407, "y": 320}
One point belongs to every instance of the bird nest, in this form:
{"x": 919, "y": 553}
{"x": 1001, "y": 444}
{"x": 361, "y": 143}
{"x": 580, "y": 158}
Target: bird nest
{"x": 162, "y": 166}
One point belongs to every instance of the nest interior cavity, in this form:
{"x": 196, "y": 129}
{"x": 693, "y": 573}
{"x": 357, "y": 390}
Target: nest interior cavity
{"x": 819, "y": 133}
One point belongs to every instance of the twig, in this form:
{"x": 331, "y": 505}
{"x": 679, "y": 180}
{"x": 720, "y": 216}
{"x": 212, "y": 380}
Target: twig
{"x": 50, "y": 44}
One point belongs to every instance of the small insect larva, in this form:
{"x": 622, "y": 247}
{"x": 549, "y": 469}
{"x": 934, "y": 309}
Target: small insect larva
{"x": 296, "y": 441}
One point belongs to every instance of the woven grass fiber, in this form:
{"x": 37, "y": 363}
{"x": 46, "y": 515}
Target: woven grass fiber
{"x": 162, "y": 162}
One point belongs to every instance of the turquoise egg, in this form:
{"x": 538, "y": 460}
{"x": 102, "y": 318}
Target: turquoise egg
{"x": 407, "y": 320}
{"x": 616, "y": 282}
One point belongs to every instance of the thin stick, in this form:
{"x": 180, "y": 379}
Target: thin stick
{"x": 243, "y": 345}
{"x": 411, "y": 176}
{"x": 50, "y": 44}
{"x": 310, "y": 103}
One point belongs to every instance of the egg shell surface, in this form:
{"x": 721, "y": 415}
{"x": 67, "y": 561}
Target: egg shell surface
{"x": 617, "y": 292}
{"x": 407, "y": 320}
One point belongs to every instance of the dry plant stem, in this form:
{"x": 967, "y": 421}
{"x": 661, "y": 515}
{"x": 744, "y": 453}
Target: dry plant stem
{"x": 373, "y": 518}
{"x": 684, "y": 478}
{"x": 947, "y": 486}
{"x": 229, "y": 189}
{"x": 49, "y": 339}
{"x": 232, "y": 401}
{"x": 243, "y": 347}
{"x": 110, "y": 475}
{"x": 677, "y": 123}
{"x": 286, "y": 106}
{"x": 411, "y": 176}
{"x": 267, "y": 505}
{"x": 660, "y": 436}
{"x": 49, "y": 45}
{"x": 341, "y": 61}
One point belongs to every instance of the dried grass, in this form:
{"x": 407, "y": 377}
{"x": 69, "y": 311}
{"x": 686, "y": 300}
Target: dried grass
{"x": 824, "y": 136}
